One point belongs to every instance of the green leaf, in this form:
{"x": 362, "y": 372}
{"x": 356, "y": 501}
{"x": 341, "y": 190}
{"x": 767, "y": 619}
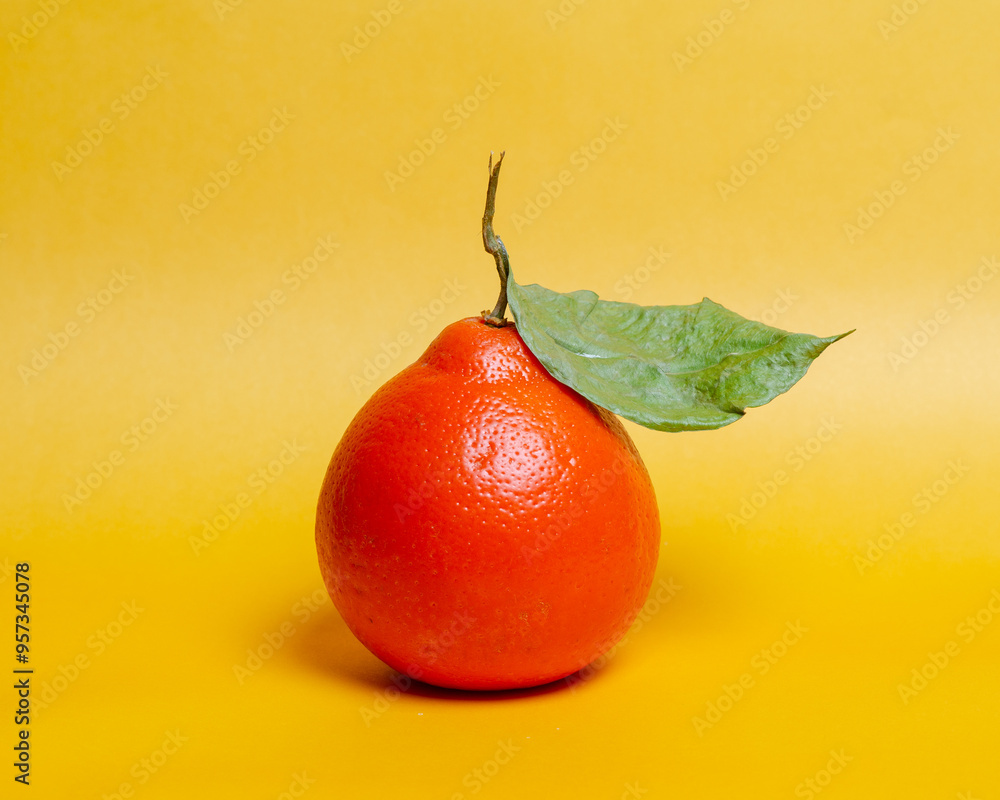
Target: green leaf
{"x": 670, "y": 368}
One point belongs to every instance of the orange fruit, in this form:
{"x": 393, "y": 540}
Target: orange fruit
{"x": 483, "y": 526}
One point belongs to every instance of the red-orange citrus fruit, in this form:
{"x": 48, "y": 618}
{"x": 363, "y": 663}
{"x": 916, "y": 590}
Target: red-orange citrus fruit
{"x": 483, "y": 526}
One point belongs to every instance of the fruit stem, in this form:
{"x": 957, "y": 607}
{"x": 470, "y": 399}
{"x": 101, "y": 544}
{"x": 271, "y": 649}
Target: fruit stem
{"x": 494, "y": 246}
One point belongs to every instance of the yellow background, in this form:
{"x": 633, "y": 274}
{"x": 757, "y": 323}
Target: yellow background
{"x": 775, "y": 249}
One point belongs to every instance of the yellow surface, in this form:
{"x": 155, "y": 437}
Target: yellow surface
{"x": 233, "y": 140}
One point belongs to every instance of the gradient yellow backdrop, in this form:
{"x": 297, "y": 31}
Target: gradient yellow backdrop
{"x": 223, "y": 224}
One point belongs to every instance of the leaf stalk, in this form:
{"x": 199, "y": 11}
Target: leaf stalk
{"x": 495, "y": 247}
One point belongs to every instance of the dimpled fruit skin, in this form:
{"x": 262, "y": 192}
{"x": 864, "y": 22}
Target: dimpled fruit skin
{"x": 483, "y": 526}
